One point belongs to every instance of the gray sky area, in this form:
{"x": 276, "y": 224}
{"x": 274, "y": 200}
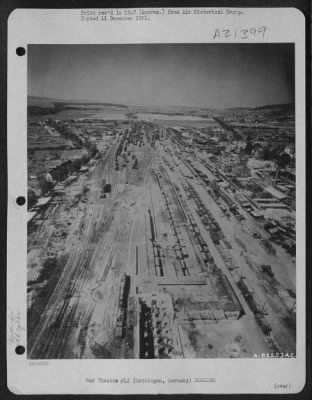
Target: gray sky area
{"x": 195, "y": 75}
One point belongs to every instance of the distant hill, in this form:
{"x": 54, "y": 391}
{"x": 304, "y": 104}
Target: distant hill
{"x": 47, "y": 105}
{"x": 237, "y": 108}
{"x": 286, "y": 107}
{"x": 50, "y": 102}
{"x": 269, "y": 107}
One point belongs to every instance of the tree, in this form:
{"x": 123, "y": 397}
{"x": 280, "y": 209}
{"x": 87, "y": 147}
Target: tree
{"x": 77, "y": 164}
{"x": 249, "y": 147}
{"x": 31, "y": 198}
{"x": 267, "y": 154}
{"x": 85, "y": 189}
{"x": 92, "y": 149}
{"x": 85, "y": 159}
{"x": 283, "y": 159}
{"x": 44, "y": 183}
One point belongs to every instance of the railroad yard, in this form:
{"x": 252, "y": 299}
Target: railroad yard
{"x": 151, "y": 245}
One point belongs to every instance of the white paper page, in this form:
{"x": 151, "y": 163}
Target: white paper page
{"x": 162, "y": 155}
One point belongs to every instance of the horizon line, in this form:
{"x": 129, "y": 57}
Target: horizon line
{"x": 154, "y": 105}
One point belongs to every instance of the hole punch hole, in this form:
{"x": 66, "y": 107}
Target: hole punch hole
{"x": 20, "y": 200}
{"x": 20, "y": 51}
{"x": 19, "y": 350}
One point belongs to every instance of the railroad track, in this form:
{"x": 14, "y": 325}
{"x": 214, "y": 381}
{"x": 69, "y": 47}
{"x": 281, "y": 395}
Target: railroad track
{"x": 73, "y": 270}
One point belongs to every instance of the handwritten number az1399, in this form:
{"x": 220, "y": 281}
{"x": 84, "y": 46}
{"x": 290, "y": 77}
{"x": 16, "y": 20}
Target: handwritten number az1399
{"x": 239, "y": 34}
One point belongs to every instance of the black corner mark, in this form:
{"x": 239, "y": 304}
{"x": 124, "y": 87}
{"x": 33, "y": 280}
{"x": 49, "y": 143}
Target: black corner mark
{"x": 20, "y": 200}
{"x": 19, "y": 350}
{"x": 20, "y": 51}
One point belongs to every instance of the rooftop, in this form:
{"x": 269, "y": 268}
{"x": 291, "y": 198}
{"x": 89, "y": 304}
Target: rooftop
{"x": 276, "y": 193}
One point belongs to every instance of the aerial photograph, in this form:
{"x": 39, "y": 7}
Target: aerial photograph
{"x": 161, "y": 206}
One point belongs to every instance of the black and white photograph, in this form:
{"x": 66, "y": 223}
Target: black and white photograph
{"x": 161, "y": 201}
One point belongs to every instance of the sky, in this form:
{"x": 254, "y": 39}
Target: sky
{"x": 193, "y": 75}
